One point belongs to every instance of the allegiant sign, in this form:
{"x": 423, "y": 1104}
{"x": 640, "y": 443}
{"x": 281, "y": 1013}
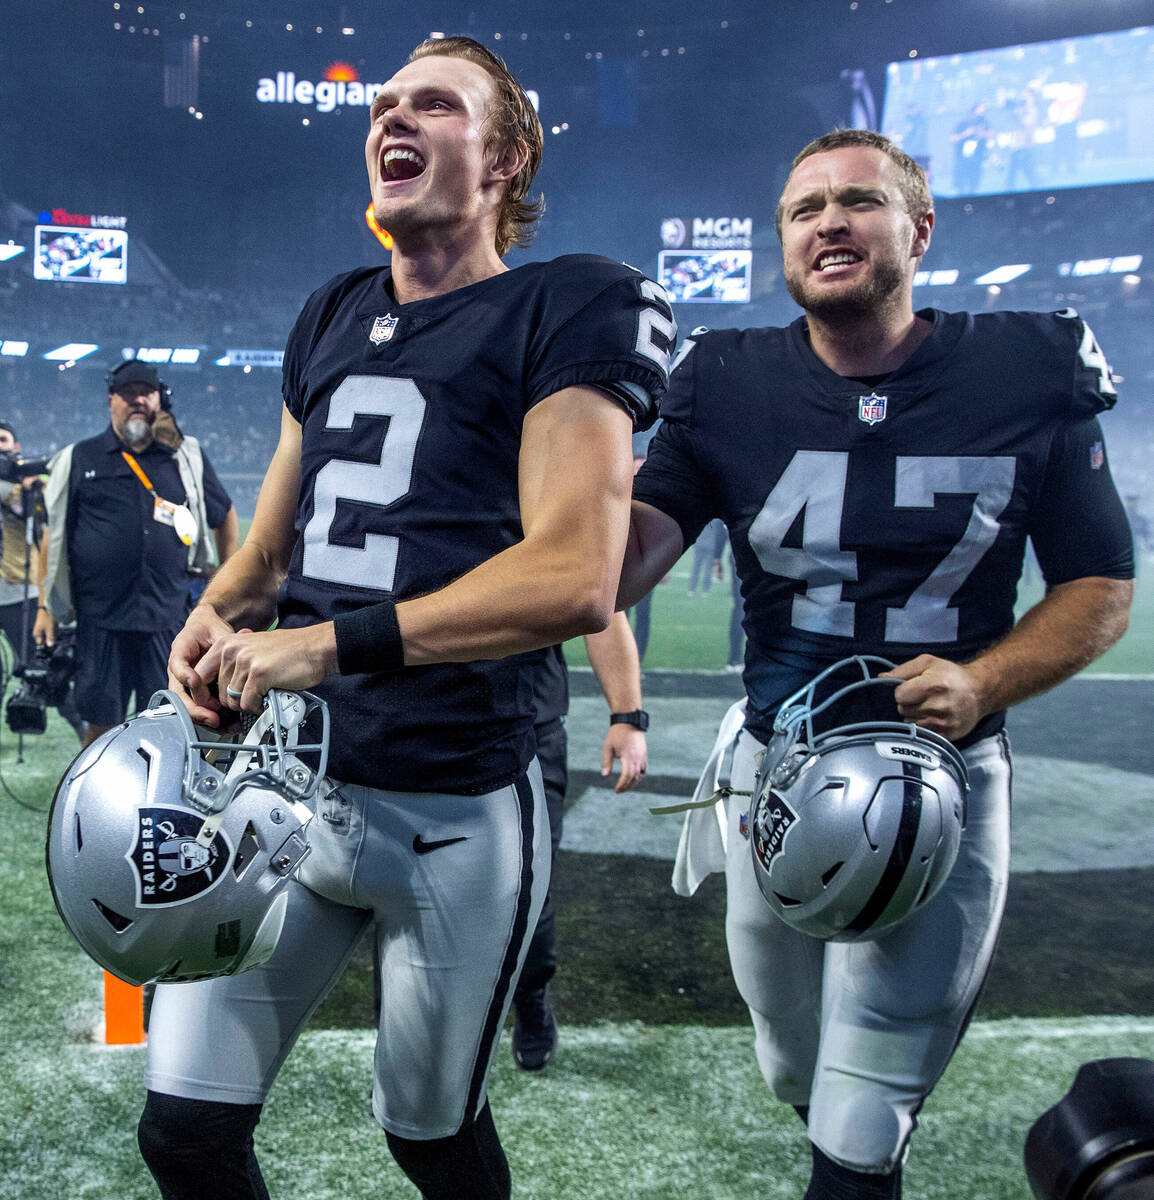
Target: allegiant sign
{"x": 325, "y": 95}
{"x": 340, "y": 88}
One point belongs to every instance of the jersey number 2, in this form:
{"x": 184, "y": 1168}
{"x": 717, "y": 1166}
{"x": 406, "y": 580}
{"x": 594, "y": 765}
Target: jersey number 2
{"x": 374, "y": 564}
{"x": 813, "y": 486}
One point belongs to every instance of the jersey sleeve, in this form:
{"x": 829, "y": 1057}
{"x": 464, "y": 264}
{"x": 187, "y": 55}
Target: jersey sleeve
{"x": 1092, "y": 388}
{"x": 671, "y": 478}
{"x": 311, "y": 322}
{"x": 1081, "y": 527}
{"x": 617, "y": 335}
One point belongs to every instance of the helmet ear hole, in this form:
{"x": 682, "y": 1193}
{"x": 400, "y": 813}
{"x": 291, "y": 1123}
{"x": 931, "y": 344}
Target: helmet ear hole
{"x": 246, "y": 851}
{"x": 827, "y": 876}
{"x": 118, "y": 921}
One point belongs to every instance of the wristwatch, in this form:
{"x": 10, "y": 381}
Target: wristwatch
{"x": 639, "y": 719}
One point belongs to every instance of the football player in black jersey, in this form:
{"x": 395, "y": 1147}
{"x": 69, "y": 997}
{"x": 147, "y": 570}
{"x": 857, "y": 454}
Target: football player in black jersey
{"x": 879, "y": 471}
{"x": 449, "y": 496}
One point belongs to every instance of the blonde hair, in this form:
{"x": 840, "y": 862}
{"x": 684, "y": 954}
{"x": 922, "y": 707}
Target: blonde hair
{"x": 511, "y": 120}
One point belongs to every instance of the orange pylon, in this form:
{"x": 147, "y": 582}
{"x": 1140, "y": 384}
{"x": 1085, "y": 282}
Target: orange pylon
{"x": 123, "y": 1012}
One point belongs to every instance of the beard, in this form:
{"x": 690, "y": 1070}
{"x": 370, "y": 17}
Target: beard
{"x": 868, "y": 296}
{"x": 136, "y": 432}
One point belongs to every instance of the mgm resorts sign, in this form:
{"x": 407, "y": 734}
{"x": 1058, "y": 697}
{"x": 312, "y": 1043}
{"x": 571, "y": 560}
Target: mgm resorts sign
{"x": 707, "y": 233}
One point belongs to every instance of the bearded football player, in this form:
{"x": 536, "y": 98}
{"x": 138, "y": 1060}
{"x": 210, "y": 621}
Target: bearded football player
{"x": 449, "y": 495}
{"x": 879, "y": 471}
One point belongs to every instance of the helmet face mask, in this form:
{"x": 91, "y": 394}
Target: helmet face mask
{"x": 169, "y": 852}
{"x": 859, "y": 823}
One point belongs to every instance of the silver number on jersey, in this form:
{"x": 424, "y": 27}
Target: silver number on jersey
{"x": 1091, "y": 355}
{"x": 813, "y": 485}
{"x": 927, "y": 616}
{"x": 655, "y": 317}
{"x": 373, "y": 565}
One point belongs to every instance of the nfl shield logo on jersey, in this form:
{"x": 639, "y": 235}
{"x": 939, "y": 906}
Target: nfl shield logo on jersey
{"x": 383, "y": 328}
{"x": 872, "y": 408}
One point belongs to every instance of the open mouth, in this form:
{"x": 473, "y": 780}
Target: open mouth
{"x": 401, "y": 164}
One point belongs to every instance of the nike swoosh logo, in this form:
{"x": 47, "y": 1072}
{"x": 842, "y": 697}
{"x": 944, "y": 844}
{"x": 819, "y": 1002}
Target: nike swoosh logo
{"x": 423, "y": 847}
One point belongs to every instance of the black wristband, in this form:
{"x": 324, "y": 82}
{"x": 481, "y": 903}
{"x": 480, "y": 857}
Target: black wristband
{"x": 639, "y": 719}
{"x": 369, "y": 639}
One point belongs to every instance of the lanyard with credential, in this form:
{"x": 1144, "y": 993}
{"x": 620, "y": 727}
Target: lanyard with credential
{"x": 167, "y": 512}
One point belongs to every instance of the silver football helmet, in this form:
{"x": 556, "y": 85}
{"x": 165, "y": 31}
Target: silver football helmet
{"x": 170, "y": 845}
{"x": 859, "y": 823}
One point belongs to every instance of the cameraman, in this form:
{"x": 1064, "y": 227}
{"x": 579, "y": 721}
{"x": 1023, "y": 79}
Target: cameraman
{"x": 128, "y": 523}
{"x": 21, "y": 501}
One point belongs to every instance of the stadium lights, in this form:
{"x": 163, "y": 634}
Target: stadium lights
{"x": 1003, "y": 274}
{"x": 936, "y": 278}
{"x": 167, "y": 354}
{"x": 1122, "y": 264}
{"x": 10, "y": 250}
{"x": 71, "y": 352}
{"x": 13, "y": 348}
{"x": 251, "y": 358}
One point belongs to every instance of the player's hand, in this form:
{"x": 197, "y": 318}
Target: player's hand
{"x": 44, "y": 628}
{"x": 937, "y": 694}
{"x": 186, "y": 677}
{"x": 627, "y": 743}
{"x": 246, "y": 665}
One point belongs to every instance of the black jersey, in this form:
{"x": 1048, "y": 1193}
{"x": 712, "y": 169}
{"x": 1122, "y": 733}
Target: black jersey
{"x": 890, "y": 519}
{"x": 411, "y": 417}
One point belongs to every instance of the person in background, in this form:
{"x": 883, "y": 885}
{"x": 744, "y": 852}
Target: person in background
{"x": 124, "y": 511}
{"x": 614, "y": 659}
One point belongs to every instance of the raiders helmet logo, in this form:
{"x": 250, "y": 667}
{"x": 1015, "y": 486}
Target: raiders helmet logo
{"x": 170, "y": 865}
{"x": 772, "y": 821}
{"x": 872, "y": 408}
{"x": 383, "y": 329}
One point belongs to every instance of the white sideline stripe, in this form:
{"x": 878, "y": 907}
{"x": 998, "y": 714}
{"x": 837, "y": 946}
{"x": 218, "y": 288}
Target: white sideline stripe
{"x": 1015, "y": 1028}
{"x": 1056, "y": 1029}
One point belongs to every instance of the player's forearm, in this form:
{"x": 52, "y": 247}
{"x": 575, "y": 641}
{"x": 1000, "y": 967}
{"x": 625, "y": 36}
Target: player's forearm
{"x": 243, "y": 591}
{"x": 1074, "y": 624}
{"x": 654, "y": 545}
{"x": 522, "y": 599}
{"x": 613, "y": 657}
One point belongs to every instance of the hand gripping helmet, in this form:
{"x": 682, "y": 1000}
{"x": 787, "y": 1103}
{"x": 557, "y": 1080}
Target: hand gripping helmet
{"x": 169, "y": 846}
{"x": 858, "y": 824}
